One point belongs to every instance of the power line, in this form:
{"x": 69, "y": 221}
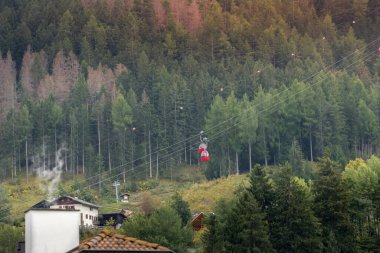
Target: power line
{"x": 226, "y": 129}
{"x": 180, "y": 143}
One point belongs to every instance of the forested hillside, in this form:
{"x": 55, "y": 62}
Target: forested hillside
{"x": 94, "y": 91}
{"x": 126, "y": 86}
{"x": 113, "y": 81}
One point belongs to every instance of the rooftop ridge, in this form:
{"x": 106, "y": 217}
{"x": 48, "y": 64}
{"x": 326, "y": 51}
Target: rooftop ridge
{"x": 111, "y": 241}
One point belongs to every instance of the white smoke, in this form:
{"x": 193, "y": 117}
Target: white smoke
{"x": 50, "y": 177}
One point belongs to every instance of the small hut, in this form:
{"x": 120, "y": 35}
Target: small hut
{"x": 197, "y": 221}
{"x": 124, "y": 197}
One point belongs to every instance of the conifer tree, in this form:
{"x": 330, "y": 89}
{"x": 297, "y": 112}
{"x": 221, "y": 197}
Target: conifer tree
{"x": 220, "y": 228}
{"x": 331, "y": 207}
{"x": 296, "y": 159}
{"x": 261, "y": 187}
{"x": 215, "y": 115}
{"x": 122, "y": 119}
{"x": 211, "y": 242}
{"x": 5, "y": 208}
{"x": 248, "y": 126}
{"x": 163, "y": 226}
{"x": 181, "y": 207}
{"x": 232, "y": 110}
{"x": 363, "y": 185}
{"x": 294, "y": 228}
{"x": 10, "y": 235}
{"x": 252, "y": 226}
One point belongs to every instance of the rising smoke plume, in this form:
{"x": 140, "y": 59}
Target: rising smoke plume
{"x": 50, "y": 177}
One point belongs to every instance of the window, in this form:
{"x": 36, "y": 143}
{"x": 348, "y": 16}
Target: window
{"x": 86, "y": 216}
{"x": 90, "y": 208}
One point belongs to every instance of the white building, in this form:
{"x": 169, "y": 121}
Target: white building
{"x": 89, "y": 212}
{"x": 51, "y": 230}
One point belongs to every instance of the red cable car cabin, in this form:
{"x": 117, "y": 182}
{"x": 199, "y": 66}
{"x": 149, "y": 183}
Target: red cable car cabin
{"x": 205, "y": 156}
{"x": 378, "y": 50}
{"x": 202, "y": 147}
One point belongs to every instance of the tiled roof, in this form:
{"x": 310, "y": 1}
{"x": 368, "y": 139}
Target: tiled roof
{"x": 109, "y": 241}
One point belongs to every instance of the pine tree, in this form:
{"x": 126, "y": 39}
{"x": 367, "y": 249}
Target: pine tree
{"x": 296, "y": 159}
{"x": 261, "y": 188}
{"x": 294, "y": 228}
{"x": 163, "y": 226}
{"x": 362, "y": 182}
{"x": 5, "y": 208}
{"x": 181, "y": 207}
{"x": 253, "y": 232}
{"x": 211, "y": 242}
{"x": 331, "y": 207}
{"x": 65, "y": 32}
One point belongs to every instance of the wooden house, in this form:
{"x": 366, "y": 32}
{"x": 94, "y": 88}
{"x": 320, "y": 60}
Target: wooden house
{"x": 124, "y": 197}
{"x": 197, "y": 223}
{"x": 89, "y": 212}
{"x": 112, "y": 219}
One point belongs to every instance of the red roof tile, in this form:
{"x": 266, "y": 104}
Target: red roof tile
{"x": 109, "y": 241}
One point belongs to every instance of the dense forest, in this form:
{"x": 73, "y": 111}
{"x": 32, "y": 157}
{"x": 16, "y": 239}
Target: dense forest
{"x": 120, "y": 90}
{"x": 278, "y": 212}
{"x": 128, "y": 85}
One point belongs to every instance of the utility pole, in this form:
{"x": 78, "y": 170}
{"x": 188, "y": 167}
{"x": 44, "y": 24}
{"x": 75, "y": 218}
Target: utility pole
{"x": 150, "y": 158}
{"x": 133, "y": 142}
{"x": 116, "y": 184}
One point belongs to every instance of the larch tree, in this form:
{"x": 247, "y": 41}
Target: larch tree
{"x": 122, "y": 119}
{"x": 214, "y": 117}
{"x": 248, "y": 126}
{"x": 233, "y": 111}
{"x": 66, "y": 73}
{"x": 262, "y": 104}
{"x": 369, "y": 125}
{"x": 8, "y": 98}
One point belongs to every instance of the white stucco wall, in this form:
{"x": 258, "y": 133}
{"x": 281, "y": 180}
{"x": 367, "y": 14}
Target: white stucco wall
{"x": 94, "y": 212}
{"x": 51, "y": 230}
{"x": 84, "y": 210}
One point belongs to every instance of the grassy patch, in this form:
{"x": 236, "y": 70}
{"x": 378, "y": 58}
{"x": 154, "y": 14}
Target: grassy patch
{"x": 22, "y": 195}
{"x": 191, "y": 183}
{"x": 202, "y": 197}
